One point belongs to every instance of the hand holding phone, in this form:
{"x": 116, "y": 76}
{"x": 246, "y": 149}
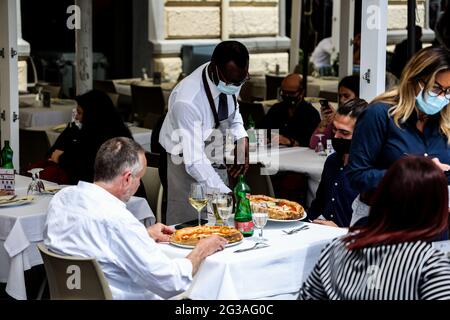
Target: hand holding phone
{"x": 324, "y": 104}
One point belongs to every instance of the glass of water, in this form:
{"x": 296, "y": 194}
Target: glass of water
{"x": 224, "y": 206}
{"x": 260, "y": 216}
{"x": 211, "y": 194}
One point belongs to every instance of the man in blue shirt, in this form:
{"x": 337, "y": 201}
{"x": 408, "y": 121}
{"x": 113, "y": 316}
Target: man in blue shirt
{"x": 334, "y": 197}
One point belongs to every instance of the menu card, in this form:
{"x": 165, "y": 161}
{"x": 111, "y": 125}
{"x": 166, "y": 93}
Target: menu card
{"x": 7, "y": 181}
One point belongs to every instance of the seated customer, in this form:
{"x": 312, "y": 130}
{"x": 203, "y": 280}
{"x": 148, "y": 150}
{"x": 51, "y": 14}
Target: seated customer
{"x": 293, "y": 117}
{"x": 348, "y": 89}
{"x": 91, "y": 220}
{"x": 74, "y": 151}
{"x": 334, "y": 197}
{"x": 392, "y": 257}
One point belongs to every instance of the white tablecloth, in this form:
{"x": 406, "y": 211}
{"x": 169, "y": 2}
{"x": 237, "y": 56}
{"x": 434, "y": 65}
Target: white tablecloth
{"x": 123, "y": 86}
{"x": 31, "y": 114}
{"x": 277, "y": 270}
{"x": 142, "y": 136}
{"x": 22, "y": 227}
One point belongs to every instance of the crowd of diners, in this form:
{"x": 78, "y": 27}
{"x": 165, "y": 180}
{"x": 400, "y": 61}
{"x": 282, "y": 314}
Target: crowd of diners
{"x": 386, "y": 181}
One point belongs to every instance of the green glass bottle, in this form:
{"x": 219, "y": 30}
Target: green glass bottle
{"x": 243, "y": 216}
{"x": 7, "y": 156}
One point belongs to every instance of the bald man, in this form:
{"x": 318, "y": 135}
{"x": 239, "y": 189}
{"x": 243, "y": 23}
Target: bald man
{"x": 295, "y": 118}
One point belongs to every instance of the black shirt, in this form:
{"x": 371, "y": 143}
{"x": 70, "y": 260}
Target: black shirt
{"x": 299, "y": 127}
{"x": 334, "y": 197}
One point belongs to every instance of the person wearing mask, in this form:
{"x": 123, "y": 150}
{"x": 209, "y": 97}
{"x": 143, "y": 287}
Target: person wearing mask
{"x": 413, "y": 119}
{"x": 348, "y": 89}
{"x": 91, "y": 220}
{"x": 202, "y": 109}
{"x": 293, "y": 117}
{"x": 334, "y": 197}
{"x": 391, "y": 258}
{"x": 71, "y": 158}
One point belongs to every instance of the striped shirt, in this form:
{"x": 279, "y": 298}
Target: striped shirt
{"x": 403, "y": 271}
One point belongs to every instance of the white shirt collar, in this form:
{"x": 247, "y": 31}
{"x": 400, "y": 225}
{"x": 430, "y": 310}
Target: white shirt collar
{"x": 214, "y": 91}
{"x": 91, "y": 187}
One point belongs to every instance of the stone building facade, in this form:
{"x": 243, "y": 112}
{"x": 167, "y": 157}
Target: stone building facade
{"x": 259, "y": 24}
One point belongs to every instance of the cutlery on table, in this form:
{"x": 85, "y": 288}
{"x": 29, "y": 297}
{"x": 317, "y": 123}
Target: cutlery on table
{"x": 258, "y": 245}
{"x": 292, "y": 231}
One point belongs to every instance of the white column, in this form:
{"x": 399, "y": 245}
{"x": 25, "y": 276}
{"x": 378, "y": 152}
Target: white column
{"x": 83, "y": 48}
{"x": 296, "y": 21}
{"x": 346, "y": 38}
{"x": 373, "y": 48}
{"x": 335, "y": 29}
{"x": 225, "y": 19}
{"x": 9, "y": 91}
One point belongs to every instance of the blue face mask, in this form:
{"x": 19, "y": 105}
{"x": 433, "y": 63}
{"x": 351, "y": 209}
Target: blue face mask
{"x": 228, "y": 89}
{"x": 430, "y": 105}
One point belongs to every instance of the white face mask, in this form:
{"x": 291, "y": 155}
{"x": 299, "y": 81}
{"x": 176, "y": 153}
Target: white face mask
{"x": 228, "y": 89}
{"x": 430, "y": 104}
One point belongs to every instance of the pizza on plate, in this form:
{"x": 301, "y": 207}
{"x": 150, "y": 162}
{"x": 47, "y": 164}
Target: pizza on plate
{"x": 192, "y": 235}
{"x": 278, "y": 209}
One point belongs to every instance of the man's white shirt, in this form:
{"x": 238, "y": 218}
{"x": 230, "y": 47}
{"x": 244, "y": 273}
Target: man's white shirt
{"x": 190, "y": 116}
{"x": 88, "y": 221}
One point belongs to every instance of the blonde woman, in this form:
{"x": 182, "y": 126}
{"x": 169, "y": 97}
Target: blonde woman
{"x": 411, "y": 119}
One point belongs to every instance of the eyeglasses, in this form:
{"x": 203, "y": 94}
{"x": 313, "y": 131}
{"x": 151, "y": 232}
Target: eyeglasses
{"x": 437, "y": 90}
{"x": 237, "y": 84}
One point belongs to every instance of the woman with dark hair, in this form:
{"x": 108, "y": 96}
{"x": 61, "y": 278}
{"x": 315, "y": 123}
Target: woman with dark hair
{"x": 75, "y": 149}
{"x": 348, "y": 89}
{"x": 391, "y": 257}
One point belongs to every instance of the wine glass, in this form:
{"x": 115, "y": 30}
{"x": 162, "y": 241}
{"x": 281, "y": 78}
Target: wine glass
{"x": 319, "y": 147}
{"x": 197, "y": 198}
{"x": 211, "y": 194}
{"x": 260, "y": 216}
{"x": 224, "y": 206}
{"x": 36, "y": 185}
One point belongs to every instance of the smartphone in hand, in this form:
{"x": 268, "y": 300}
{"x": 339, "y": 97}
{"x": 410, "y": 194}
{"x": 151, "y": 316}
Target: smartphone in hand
{"x": 324, "y": 105}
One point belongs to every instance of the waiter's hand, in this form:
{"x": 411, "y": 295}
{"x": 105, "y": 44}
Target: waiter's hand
{"x": 241, "y": 158}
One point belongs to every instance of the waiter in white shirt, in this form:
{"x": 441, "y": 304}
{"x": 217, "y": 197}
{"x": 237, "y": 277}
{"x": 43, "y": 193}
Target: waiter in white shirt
{"x": 202, "y": 105}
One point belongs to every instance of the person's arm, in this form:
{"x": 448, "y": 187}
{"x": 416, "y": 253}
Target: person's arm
{"x": 435, "y": 278}
{"x": 203, "y": 249}
{"x": 369, "y": 138}
{"x": 313, "y": 288}
{"x": 187, "y": 122}
{"x": 318, "y": 204}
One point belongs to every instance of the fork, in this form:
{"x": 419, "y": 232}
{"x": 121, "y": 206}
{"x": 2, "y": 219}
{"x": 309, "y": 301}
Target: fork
{"x": 258, "y": 245}
{"x": 292, "y": 231}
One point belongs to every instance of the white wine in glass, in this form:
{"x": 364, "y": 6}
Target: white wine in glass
{"x": 197, "y": 198}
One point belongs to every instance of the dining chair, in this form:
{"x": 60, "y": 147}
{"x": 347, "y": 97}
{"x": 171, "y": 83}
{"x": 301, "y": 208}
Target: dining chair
{"x": 273, "y": 85}
{"x": 256, "y": 110}
{"x": 154, "y": 191}
{"x": 146, "y": 100}
{"x": 55, "y": 90}
{"x": 34, "y": 145}
{"x": 74, "y": 278}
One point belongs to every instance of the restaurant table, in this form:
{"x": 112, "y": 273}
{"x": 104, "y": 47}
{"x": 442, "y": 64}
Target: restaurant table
{"x": 142, "y": 136}
{"x": 322, "y": 84}
{"x": 22, "y": 228}
{"x": 268, "y": 273}
{"x": 123, "y": 86}
{"x": 296, "y": 159}
{"x": 32, "y": 113}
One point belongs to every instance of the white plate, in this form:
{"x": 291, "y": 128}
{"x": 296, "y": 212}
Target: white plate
{"x": 16, "y": 202}
{"x": 276, "y": 220}
{"x": 187, "y": 246}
